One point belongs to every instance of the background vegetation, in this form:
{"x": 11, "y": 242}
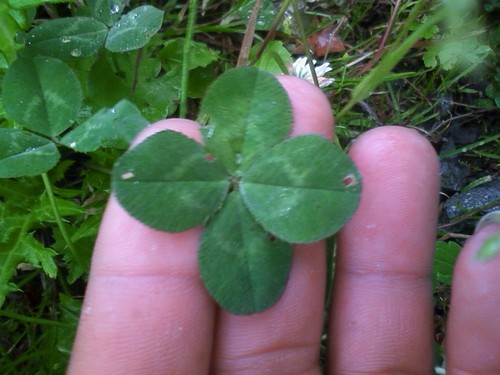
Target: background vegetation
{"x": 429, "y": 65}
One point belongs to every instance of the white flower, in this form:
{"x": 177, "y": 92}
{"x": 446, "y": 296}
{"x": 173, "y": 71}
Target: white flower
{"x": 300, "y": 68}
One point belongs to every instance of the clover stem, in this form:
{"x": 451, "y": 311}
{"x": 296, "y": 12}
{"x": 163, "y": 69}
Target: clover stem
{"x": 234, "y": 183}
{"x": 193, "y": 5}
{"x": 60, "y": 224}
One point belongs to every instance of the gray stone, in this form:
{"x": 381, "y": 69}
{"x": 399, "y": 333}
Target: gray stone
{"x": 473, "y": 199}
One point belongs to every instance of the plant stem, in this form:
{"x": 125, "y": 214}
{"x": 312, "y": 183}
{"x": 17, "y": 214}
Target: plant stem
{"x": 246, "y": 45}
{"x": 29, "y": 319}
{"x": 193, "y": 6}
{"x": 60, "y": 224}
{"x": 272, "y": 30}
{"x": 377, "y": 75}
{"x": 303, "y": 39}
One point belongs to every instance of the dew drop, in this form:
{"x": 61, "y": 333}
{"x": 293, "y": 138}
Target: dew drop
{"x": 210, "y": 131}
{"x": 72, "y": 144}
{"x": 65, "y": 39}
{"x": 239, "y": 158}
{"x": 114, "y": 8}
{"x": 127, "y": 175}
{"x": 77, "y": 52}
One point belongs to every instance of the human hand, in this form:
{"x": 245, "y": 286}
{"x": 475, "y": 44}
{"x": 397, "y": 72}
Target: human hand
{"x": 146, "y": 310}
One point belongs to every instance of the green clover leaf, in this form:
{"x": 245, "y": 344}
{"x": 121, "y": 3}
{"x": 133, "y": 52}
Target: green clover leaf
{"x": 167, "y": 182}
{"x": 255, "y": 191}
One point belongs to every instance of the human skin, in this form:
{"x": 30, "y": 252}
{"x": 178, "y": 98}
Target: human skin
{"x": 146, "y": 310}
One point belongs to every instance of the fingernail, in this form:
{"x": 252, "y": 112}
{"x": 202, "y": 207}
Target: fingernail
{"x": 489, "y": 249}
{"x": 490, "y": 218}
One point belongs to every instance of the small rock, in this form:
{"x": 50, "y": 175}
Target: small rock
{"x": 473, "y": 199}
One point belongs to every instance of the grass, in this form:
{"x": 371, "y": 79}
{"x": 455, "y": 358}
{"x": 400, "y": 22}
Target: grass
{"x": 402, "y": 64}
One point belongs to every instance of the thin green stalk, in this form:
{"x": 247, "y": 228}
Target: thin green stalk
{"x": 193, "y": 7}
{"x": 410, "y": 21}
{"x": 380, "y": 72}
{"x": 32, "y": 320}
{"x": 272, "y": 30}
{"x": 60, "y": 225}
{"x": 303, "y": 39}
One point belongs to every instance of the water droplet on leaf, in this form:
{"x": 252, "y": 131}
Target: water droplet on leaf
{"x": 65, "y": 39}
{"x": 114, "y": 8}
{"x": 210, "y": 130}
{"x": 239, "y": 158}
{"x": 77, "y": 52}
{"x": 127, "y": 175}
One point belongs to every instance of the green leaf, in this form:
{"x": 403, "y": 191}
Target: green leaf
{"x": 275, "y": 58}
{"x": 243, "y": 10}
{"x": 243, "y": 267}
{"x": 107, "y": 11}
{"x": 38, "y": 255}
{"x": 44, "y": 212}
{"x": 24, "y": 154}
{"x": 158, "y": 98}
{"x": 248, "y": 111}
{"x": 105, "y": 85}
{"x": 301, "y": 190}
{"x": 67, "y": 38}
{"x": 8, "y": 29}
{"x": 167, "y": 182}
{"x": 199, "y": 54}
{"x": 11, "y": 254}
{"x": 445, "y": 256}
{"x": 43, "y": 94}
{"x": 134, "y": 29}
{"x": 34, "y": 3}
{"x": 115, "y": 127}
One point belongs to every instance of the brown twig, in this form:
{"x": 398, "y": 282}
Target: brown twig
{"x": 246, "y": 45}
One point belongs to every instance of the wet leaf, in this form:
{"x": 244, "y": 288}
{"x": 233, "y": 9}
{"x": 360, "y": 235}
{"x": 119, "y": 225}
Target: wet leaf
{"x": 199, "y": 54}
{"x": 67, "y": 38}
{"x": 114, "y": 127}
{"x": 24, "y": 154}
{"x": 32, "y": 3}
{"x": 107, "y": 11}
{"x": 274, "y": 59}
{"x": 43, "y": 94}
{"x": 302, "y": 190}
{"x": 243, "y": 267}
{"x": 134, "y": 29}
{"x": 247, "y": 111}
{"x": 167, "y": 182}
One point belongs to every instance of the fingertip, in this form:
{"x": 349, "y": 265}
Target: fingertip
{"x": 312, "y": 111}
{"x": 473, "y": 330}
{"x": 400, "y": 189}
{"x": 386, "y": 142}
